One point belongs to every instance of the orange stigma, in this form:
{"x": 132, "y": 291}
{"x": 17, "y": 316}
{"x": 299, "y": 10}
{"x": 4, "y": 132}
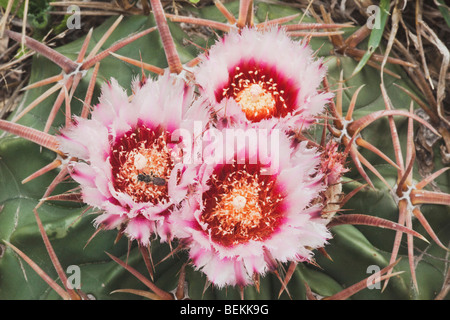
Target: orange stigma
{"x": 241, "y": 205}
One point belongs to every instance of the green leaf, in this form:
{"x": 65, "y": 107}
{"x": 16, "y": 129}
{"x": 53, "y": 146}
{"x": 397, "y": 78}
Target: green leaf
{"x": 376, "y": 34}
{"x": 445, "y": 11}
{"x": 4, "y": 4}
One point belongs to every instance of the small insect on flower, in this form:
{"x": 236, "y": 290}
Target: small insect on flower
{"x": 151, "y": 178}
{"x": 129, "y": 160}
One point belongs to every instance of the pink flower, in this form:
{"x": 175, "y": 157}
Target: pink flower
{"x": 251, "y": 209}
{"x": 130, "y": 157}
{"x": 254, "y": 75}
{"x": 332, "y": 164}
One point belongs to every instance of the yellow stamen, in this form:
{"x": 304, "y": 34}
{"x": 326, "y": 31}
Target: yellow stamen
{"x": 254, "y": 101}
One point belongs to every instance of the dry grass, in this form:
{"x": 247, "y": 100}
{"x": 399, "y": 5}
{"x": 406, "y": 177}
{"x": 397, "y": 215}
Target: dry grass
{"x": 421, "y": 37}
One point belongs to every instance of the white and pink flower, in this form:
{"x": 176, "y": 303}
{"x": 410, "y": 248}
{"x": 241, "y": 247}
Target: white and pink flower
{"x": 128, "y": 162}
{"x": 248, "y": 213}
{"x": 244, "y": 207}
{"x": 253, "y": 75}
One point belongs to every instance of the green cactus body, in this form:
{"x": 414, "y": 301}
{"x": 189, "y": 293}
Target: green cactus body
{"x": 353, "y": 249}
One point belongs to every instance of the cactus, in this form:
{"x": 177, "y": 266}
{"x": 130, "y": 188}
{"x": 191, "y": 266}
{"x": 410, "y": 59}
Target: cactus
{"x": 47, "y": 229}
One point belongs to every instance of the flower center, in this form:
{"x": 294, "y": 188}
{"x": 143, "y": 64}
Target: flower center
{"x": 239, "y": 202}
{"x": 141, "y": 164}
{"x": 241, "y": 205}
{"x": 256, "y": 102}
{"x": 260, "y": 90}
